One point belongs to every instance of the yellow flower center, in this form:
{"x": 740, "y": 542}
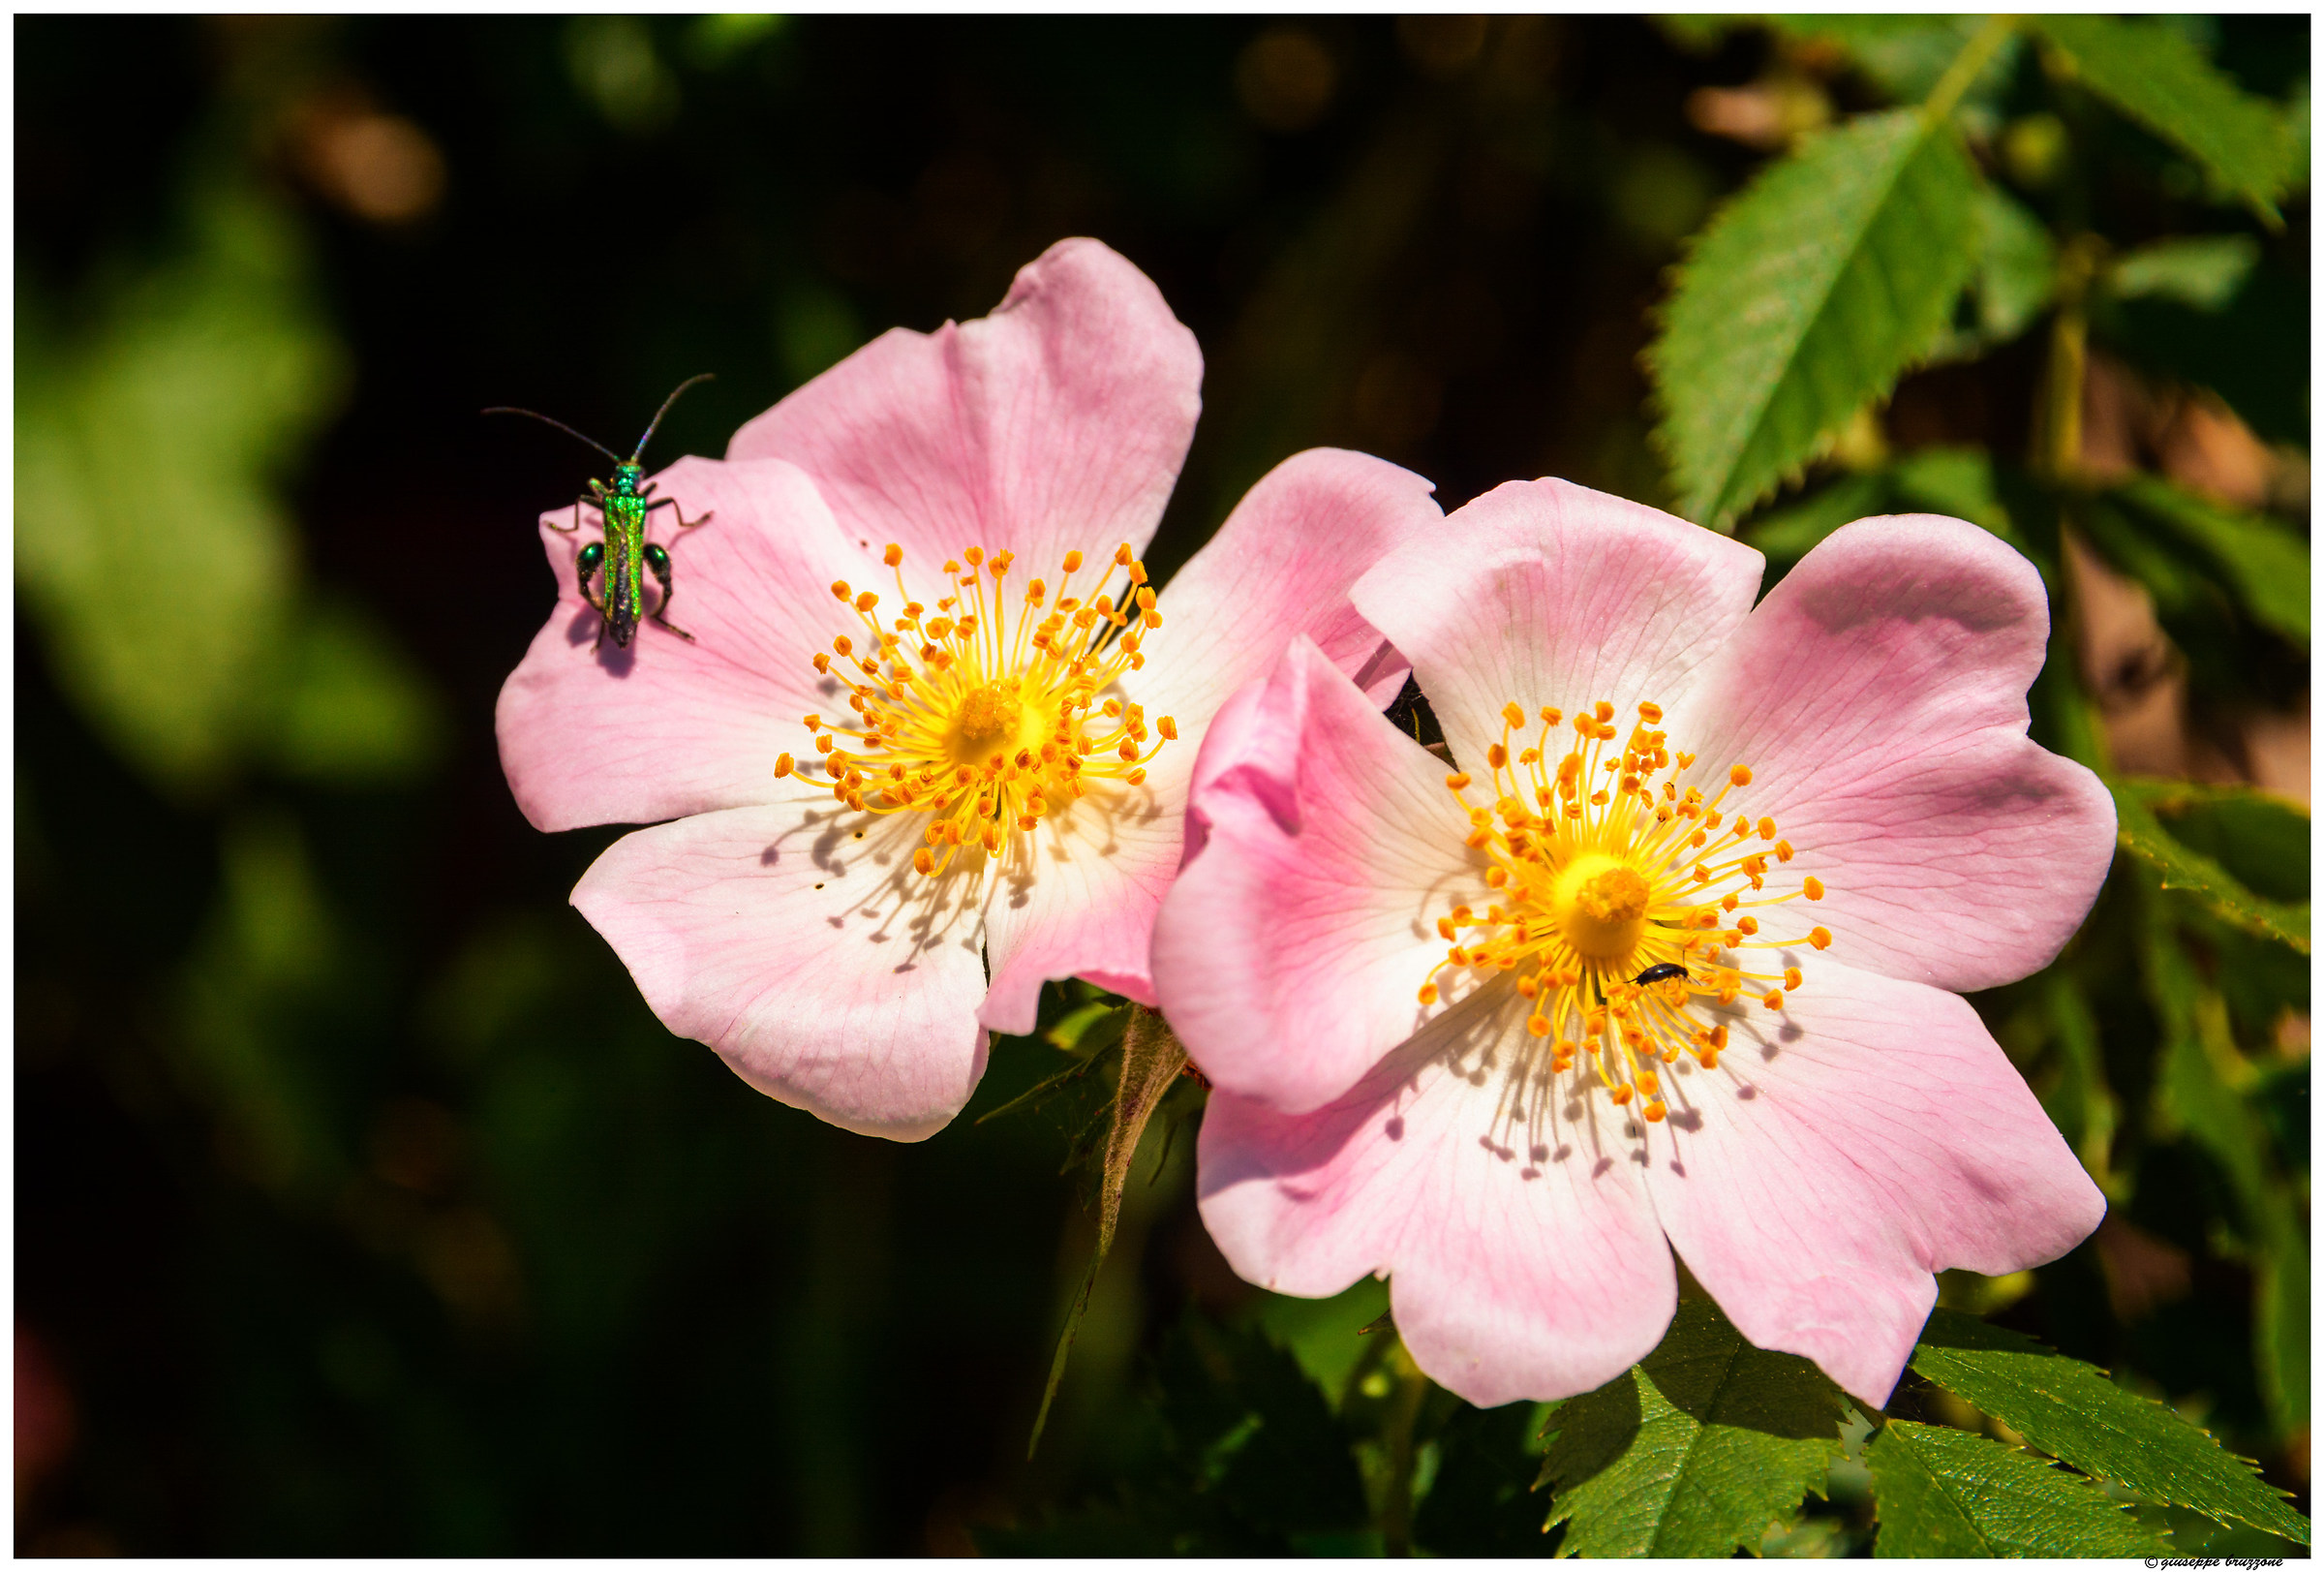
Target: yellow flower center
{"x": 1623, "y": 904}
{"x": 987, "y": 723}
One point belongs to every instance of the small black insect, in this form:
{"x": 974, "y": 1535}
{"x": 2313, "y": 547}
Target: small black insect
{"x": 1660, "y": 972}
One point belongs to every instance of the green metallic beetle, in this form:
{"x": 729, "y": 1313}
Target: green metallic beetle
{"x": 624, "y": 556}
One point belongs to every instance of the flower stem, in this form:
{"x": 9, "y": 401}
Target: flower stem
{"x": 1404, "y": 1416}
{"x": 1966, "y": 67}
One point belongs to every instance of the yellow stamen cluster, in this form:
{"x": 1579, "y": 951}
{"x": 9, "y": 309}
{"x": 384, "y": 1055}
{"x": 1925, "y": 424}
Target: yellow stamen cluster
{"x": 985, "y": 722}
{"x": 1598, "y": 876}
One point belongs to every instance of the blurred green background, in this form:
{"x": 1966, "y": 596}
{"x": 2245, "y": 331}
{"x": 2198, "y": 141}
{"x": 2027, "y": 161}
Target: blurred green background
{"x": 362, "y": 1208}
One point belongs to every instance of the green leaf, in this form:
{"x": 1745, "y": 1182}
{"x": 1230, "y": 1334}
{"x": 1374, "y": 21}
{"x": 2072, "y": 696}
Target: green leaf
{"x": 1694, "y": 1450}
{"x": 2264, "y": 562}
{"x": 1954, "y": 481}
{"x": 2198, "y": 877}
{"x": 2017, "y": 267}
{"x": 2203, "y": 271}
{"x": 1805, "y": 299}
{"x": 155, "y": 555}
{"x": 1948, "y": 1493}
{"x": 2074, "y": 1413}
{"x": 2079, "y": 1104}
{"x": 2261, "y": 839}
{"x": 2156, "y": 76}
{"x": 1152, "y": 1061}
{"x": 1789, "y": 533}
{"x": 2201, "y": 1091}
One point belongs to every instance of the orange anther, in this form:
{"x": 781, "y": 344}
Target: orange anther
{"x": 1655, "y": 1111}
{"x": 1073, "y": 562}
{"x": 1428, "y": 993}
{"x": 1821, "y": 938}
{"x": 1739, "y": 775}
{"x": 1747, "y": 924}
{"x": 973, "y": 555}
{"x": 1766, "y": 830}
{"x": 1538, "y": 1024}
{"x": 1773, "y": 998}
{"x": 840, "y": 590}
{"x": 1812, "y": 887}
{"x": 1552, "y": 717}
{"x": 1459, "y": 781}
{"x": 1620, "y": 1095}
{"x": 784, "y": 764}
{"x": 893, "y": 556}
{"x": 1512, "y": 715}
{"x": 1792, "y": 977}
{"x": 1496, "y": 757}
{"x": 866, "y": 601}
{"x": 1603, "y": 710}
{"x": 924, "y": 860}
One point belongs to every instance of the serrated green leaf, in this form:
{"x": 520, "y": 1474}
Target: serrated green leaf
{"x": 2074, "y": 1413}
{"x": 2259, "y": 838}
{"x": 2203, "y": 271}
{"x": 1694, "y": 1450}
{"x": 1948, "y": 1493}
{"x": 2195, "y": 877}
{"x": 2264, "y": 562}
{"x": 2156, "y": 76}
{"x": 1805, "y": 299}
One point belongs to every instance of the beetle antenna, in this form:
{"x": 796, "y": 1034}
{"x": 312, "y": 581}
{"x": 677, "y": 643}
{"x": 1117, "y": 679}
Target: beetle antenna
{"x": 665, "y": 409}
{"x": 510, "y": 409}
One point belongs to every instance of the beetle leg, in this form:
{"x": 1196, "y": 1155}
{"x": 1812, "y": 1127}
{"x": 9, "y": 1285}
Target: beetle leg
{"x": 684, "y": 522}
{"x": 660, "y": 566}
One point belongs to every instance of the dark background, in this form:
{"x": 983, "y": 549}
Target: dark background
{"x": 361, "y": 1206}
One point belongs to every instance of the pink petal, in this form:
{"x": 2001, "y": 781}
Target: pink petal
{"x": 1083, "y": 906}
{"x": 1290, "y": 952}
{"x": 666, "y": 728}
{"x": 1282, "y": 564}
{"x": 1879, "y": 695}
{"x": 795, "y": 940}
{"x": 1843, "y": 1152}
{"x": 1514, "y": 1274}
{"x": 1057, "y": 423}
{"x": 1547, "y": 594}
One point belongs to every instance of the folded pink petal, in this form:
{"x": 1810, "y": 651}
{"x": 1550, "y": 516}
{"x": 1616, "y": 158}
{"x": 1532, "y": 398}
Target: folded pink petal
{"x": 603, "y": 736}
{"x": 1868, "y": 1136}
{"x": 1289, "y": 954}
{"x": 1879, "y": 695}
{"x": 1059, "y": 422}
{"x": 1513, "y": 1274}
{"x": 1548, "y": 594}
{"x": 794, "y": 939}
{"x": 1282, "y": 564}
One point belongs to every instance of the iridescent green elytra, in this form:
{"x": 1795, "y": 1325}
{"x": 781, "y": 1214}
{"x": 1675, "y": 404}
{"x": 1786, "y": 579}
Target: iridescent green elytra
{"x": 624, "y": 556}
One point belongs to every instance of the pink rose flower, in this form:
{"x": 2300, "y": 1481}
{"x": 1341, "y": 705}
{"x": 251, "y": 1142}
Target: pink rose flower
{"x": 1672, "y": 955}
{"x": 931, "y": 720}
